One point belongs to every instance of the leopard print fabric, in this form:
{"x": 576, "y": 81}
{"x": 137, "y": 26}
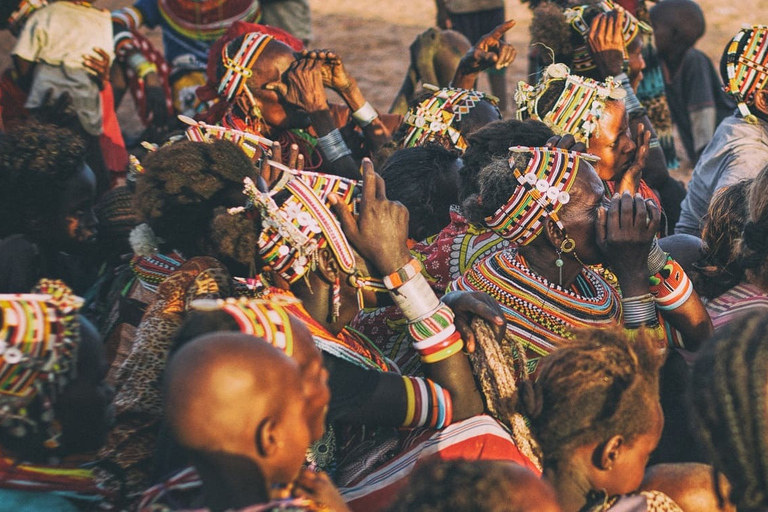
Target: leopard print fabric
{"x": 138, "y": 402}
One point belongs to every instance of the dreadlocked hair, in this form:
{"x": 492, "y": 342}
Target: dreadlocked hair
{"x": 728, "y": 396}
{"x": 492, "y": 142}
{"x": 36, "y": 159}
{"x": 184, "y": 183}
{"x": 754, "y": 241}
{"x": 496, "y": 183}
{"x": 550, "y": 29}
{"x": 719, "y": 268}
{"x": 419, "y": 178}
{"x": 601, "y": 385}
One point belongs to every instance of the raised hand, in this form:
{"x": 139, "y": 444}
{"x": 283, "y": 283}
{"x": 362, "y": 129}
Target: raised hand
{"x": 98, "y": 66}
{"x": 302, "y": 85}
{"x": 380, "y": 233}
{"x": 606, "y": 41}
{"x": 630, "y": 180}
{"x": 469, "y": 305}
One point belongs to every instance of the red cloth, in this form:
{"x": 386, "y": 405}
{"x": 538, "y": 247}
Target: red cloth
{"x": 111, "y": 140}
{"x": 12, "y": 100}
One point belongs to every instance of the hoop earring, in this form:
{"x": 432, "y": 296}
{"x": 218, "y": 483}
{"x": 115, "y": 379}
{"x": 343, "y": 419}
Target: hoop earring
{"x": 566, "y": 246}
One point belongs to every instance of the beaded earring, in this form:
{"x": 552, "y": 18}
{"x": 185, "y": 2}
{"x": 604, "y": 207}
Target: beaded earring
{"x": 566, "y": 246}
{"x": 335, "y": 300}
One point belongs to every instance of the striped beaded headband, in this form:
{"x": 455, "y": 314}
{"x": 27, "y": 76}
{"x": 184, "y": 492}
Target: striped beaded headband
{"x": 747, "y": 70}
{"x": 39, "y": 339}
{"x": 437, "y": 115}
{"x": 302, "y": 223}
{"x": 582, "y": 56}
{"x": 579, "y": 107}
{"x": 240, "y": 67}
{"x": 252, "y": 145}
{"x": 267, "y": 319}
{"x": 544, "y": 189}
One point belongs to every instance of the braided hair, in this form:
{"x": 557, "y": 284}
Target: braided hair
{"x": 719, "y": 268}
{"x": 729, "y": 384}
{"x": 182, "y": 186}
{"x": 754, "y": 240}
{"x": 601, "y": 385}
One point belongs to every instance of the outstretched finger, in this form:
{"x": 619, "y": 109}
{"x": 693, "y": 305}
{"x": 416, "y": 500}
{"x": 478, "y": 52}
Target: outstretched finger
{"x": 346, "y": 220}
{"x": 499, "y": 31}
{"x": 278, "y": 87}
{"x": 369, "y": 182}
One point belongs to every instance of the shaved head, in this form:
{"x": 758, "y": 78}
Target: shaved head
{"x": 685, "y": 15}
{"x": 220, "y": 387}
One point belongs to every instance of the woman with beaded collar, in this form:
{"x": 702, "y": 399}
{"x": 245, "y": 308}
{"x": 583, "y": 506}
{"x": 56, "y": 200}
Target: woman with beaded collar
{"x": 328, "y": 268}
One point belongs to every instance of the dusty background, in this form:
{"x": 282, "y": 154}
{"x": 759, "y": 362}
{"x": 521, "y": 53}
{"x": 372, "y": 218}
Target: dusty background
{"x": 373, "y": 37}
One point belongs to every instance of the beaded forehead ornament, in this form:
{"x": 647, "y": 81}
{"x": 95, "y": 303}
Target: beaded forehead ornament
{"x": 544, "y": 189}
{"x": 576, "y": 17}
{"x": 747, "y": 69}
{"x": 240, "y": 67}
{"x": 252, "y": 145}
{"x": 437, "y": 116}
{"x": 267, "y": 319}
{"x": 578, "y": 109}
{"x": 39, "y": 338}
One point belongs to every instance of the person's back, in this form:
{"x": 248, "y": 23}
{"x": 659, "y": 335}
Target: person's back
{"x": 49, "y": 42}
{"x": 739, "y": 147}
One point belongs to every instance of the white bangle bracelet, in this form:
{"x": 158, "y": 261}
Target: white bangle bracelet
{"x": 415, "y": 298}
{"x": 364, "y": 115}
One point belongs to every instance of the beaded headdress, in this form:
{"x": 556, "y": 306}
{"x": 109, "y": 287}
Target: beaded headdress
{"x": 18, "y": 17}
{"x": 267, "y": 319}
{"x": 297, "y": 222}
{"x": 543, "y": 189}
{"x": 207, "y": 20}
{"x": 39, "y": 339}
{"x": 576, "y": 17}
{"x": 240, "y": 66}
{"x": 578, "y": 109}
{"x": 252, "y": 145}
{"x": 438, "y": 115}
{"x": 747, "y": 69}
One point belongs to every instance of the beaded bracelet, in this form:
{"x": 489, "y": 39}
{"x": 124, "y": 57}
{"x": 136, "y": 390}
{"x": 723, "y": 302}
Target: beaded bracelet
{"x": 402, "y": 275}
{"x": 432, "y": 325}
{"x": 427, "y": 404}
{"x": 638, "y": 311}
{"x": 656, "y": 258}
{"x": 365, "y": 115}
{"x": 671, "y": 286}
{"x": 456, "y": 345}
{"x": 415, "y": 299}
{"x": 333, "y": 146}
{"x": 145, "y": 68}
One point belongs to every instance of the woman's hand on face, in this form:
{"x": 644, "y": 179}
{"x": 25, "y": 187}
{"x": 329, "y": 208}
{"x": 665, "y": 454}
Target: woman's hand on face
{"x": 468, "y": 305}
{"x": 624, "y": 233}
{"x": 319, "y": 488}
{"x": 334, "y": 73}
{"x": 606, "y": 41}
{"x": 380, "y": 233}
{"x": 302, "y": 85}
{"x": 630, "y": 180}
{"x": 490, "y": 51}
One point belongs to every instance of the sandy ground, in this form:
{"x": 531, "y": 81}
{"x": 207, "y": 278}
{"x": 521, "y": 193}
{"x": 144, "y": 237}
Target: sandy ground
{"x": 374, "y": 42}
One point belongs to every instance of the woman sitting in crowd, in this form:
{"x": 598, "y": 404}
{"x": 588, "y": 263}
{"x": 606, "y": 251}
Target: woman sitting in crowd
{"x": 54, "y": 405}
{"x": 596, "y": 414}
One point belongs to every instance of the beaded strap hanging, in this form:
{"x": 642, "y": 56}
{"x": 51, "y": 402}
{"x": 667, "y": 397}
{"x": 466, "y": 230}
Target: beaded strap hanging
{"x": 252, "y": 145}
{"x": 579, "y": 107}
{"x": 543, "y": 190}
{"x": 240, "y": 67}
{"x": 747, "y": 69}
{"x": 267, "y": 319}
{"x": 437, "y": 116}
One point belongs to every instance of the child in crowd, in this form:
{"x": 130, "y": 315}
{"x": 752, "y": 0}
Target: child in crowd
{"x": 694, "y": 89}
